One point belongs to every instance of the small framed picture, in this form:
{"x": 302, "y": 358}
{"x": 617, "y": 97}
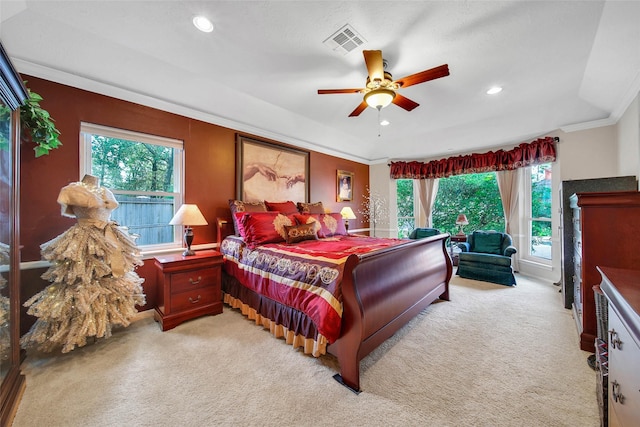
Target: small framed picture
{"x": 345, "y": 186}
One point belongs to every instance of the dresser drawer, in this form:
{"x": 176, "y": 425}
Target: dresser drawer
{"x": 194, "y": 298}
{"x": 624, "y": 377}
{"x": 194, "y": 279}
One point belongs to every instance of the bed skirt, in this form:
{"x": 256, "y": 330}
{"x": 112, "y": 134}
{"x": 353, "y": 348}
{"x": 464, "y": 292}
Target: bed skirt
{"x": 282, "y": 321}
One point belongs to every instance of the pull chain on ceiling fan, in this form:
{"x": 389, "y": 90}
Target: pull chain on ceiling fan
{"x": 381, "y": 89}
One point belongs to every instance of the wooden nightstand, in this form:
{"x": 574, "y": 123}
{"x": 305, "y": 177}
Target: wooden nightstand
{"x": 453, "y": 241}
{"x": 188, "y": 287}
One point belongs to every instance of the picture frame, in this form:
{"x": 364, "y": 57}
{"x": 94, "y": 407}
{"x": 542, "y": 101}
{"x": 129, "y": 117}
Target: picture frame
{"x": 271, "y": 172}
{"x": 344, "y": 189}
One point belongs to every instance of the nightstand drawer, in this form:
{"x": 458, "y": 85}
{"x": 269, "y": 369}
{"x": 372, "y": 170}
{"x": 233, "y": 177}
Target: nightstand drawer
{"x": 195, "y": 279}
{"x": 194, "y": 298}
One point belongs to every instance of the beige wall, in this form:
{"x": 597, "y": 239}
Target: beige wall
{"x": 385, "y": 187}
{"x": 591, "y": 153}
{"x": 628, "y": 137}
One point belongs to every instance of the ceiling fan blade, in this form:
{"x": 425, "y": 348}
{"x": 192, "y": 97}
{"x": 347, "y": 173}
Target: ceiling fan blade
{"x": 404, "y": 102}
{"x": 327, "y": 91}
{"x": 375, "y": 67}
{"x": 424, "y": 76}
{"x": 359, "y": 109}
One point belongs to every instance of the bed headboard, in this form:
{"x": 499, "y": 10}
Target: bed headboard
{"x": 224, "y": 229}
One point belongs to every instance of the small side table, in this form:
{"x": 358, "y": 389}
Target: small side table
{"x": 453, "y": 240}
{"x": 188, "y": 287}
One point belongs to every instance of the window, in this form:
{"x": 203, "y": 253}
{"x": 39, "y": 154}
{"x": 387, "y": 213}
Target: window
{"x": 539, "y": 207}
{"x": 406, "y": 207}
{"x": 475, "y": 195}
{"x": 145, "y": 174}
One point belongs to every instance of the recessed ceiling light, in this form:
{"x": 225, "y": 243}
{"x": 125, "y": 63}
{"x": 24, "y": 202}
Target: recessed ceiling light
{"x": 203, "y": 23}
{"x": 494, "y": 90}
{"x": 385, "y": 123}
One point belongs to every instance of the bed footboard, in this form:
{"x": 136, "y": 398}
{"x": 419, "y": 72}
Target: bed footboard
{"x": 384, "y": 290}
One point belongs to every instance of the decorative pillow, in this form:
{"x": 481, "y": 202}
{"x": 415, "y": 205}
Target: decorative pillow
{"x": 487, "y": 242}
{"x": 298, "y": 233}
{"x": 310, "y": 219}
{"x": 285, "y": 208}
{"x": 265, "y": 227}
{"x": 237, "y": 222}
{"x": 328, "y": 224}
{"x": 240, "y": 206}
{"x": 310, "y": 208}
{"x": 332, "y": 225}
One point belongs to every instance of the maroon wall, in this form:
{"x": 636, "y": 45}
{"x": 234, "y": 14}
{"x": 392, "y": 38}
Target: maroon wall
{"x": 209, "y": 167}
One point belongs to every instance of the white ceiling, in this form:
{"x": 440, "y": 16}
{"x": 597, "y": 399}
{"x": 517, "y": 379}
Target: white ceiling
{"x": 563, "y": 65}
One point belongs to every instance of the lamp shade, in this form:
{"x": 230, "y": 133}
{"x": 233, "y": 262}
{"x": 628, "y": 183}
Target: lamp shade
{"x": 347, "y": 213}
{"x": 188, "y": 215}
{"x": 462, "y": 220}
{"x": 379, "y": 98}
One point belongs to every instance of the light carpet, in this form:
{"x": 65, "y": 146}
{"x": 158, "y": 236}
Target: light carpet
{"x": 492, "y": 356}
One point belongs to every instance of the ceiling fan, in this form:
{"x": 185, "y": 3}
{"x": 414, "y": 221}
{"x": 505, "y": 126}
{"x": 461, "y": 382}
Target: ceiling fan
{"x": 381, "y": 89}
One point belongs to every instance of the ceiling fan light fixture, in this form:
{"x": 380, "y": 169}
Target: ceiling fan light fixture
{"x": 379, "y": 98}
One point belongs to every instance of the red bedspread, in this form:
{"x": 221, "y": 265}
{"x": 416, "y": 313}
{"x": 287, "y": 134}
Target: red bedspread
{"x": 305, "y": 275}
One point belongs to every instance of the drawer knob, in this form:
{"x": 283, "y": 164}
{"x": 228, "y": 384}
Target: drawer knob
{"x": 195, "y": 282}
{"x": 615, "y": 393}
{"x": 193, "y": 301}
{"x": 614, "y": 340}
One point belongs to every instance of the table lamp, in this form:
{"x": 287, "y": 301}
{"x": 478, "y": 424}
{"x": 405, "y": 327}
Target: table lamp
{"x": 188, "y": 215}
{"x": 347, "y": 214}
{"x": 461, "y": 221}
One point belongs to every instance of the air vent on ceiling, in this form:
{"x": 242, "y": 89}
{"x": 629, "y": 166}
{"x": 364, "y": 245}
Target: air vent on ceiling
{"x": 345, "y": 40}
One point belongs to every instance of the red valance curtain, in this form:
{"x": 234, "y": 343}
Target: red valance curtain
{"x": 542, "y": 150}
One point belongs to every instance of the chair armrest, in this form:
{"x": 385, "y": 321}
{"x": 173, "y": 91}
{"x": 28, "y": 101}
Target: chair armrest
{"x": 464, "y": 247}
{"x": 510, "y": 250}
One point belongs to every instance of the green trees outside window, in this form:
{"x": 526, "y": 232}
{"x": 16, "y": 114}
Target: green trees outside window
{"x": 540, "y": 217}
{"x": 406, "y": 215}
{"x": 475, "y": 195}
{"x": 132, "y": 165}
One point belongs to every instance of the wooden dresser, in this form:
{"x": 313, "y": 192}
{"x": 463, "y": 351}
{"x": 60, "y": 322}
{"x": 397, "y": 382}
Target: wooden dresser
{"x": 607, "y": 226}
{"x": 188, "y": 287}
{"x": 622, "y": 289}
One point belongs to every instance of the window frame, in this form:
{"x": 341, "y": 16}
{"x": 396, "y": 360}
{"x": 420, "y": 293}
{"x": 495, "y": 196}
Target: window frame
{"x": 88, "y": 129}
{"x": 528, "y": 219}
{"x": 415, "y": 200}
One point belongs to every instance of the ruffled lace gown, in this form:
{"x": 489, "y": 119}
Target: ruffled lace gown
{"x": 93, "y": 283}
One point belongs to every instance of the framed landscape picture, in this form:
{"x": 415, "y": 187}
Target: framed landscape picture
{"x": 271, "y": 172}
{"x": 345, "y": 186}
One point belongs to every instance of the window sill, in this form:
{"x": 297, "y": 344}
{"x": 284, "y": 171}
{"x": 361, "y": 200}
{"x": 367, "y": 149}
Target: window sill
{"x": 176, "y": 250}
{"x": 30, "y": 265}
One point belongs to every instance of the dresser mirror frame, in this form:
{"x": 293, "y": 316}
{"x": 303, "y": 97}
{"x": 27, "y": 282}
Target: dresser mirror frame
{"x": 12, "y": 95}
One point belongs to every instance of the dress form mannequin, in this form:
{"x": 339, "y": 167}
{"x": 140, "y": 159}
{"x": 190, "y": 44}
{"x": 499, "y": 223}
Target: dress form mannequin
{"x": 93, "y": 283}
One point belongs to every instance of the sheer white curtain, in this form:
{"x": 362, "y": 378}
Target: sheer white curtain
{"x": 508, "y": 185}
{"x": 427, "y": 191}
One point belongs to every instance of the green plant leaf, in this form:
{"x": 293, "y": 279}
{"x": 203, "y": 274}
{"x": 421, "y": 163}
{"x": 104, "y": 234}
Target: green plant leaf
{"x": 38, "y": 125}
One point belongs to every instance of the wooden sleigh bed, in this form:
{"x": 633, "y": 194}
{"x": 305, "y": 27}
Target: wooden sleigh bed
{"x": 380, "y": 292}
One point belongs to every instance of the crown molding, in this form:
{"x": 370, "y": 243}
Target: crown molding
{"x": 107, "y": 89}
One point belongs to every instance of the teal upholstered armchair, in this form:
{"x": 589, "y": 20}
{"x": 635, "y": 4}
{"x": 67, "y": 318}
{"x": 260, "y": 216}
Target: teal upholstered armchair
{"x": 486, "y": 256}
{"x": 421, "y": 233}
